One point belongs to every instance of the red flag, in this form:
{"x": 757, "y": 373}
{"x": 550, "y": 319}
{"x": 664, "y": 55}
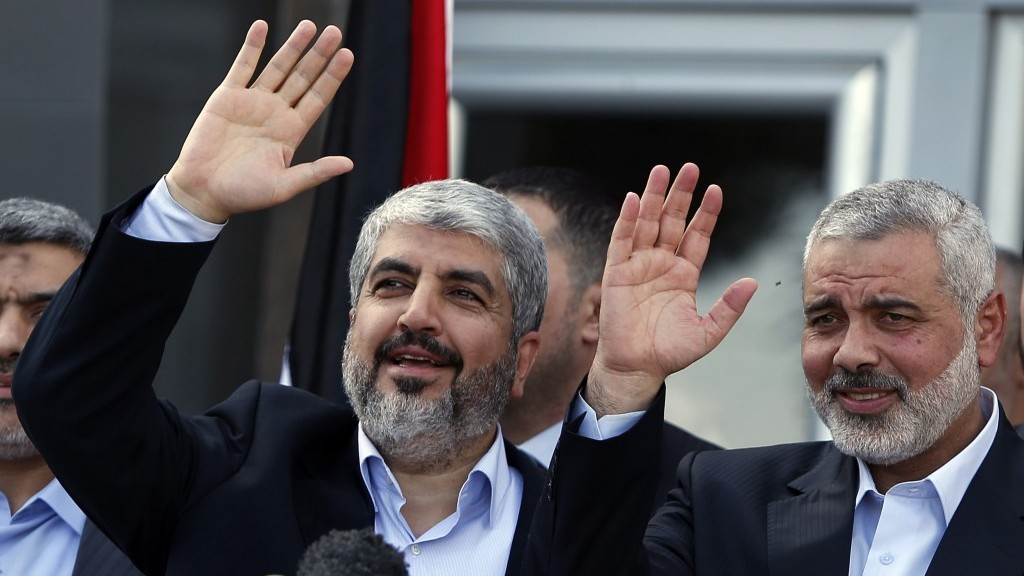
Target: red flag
{"x": 391, "y": 118}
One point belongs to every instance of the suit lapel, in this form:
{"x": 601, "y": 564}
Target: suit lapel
{"x": 986, "y": 534}
{"x": 97, "y": 556}
{"x": 329, "y": 490}
{"x": 810, "y": 532}
{"x": 534, "y": 476}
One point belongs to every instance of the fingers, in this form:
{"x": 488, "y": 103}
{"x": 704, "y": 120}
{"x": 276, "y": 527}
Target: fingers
{"x": 312, "y": 66}
{"x": 283, "y": 61}
{"x": 697, "y": 238}
{"x": 646, "y": 231}
{"x": 672, "y": 223}
{"x": 621, "y": 244}
{"x": 319, "y": 95}
{"x": 242, "y": 68}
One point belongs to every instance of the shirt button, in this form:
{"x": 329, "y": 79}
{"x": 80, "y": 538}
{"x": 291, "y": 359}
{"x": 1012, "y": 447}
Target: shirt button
{"x": 886, "y": 558}
{"x": 415, "y": 549}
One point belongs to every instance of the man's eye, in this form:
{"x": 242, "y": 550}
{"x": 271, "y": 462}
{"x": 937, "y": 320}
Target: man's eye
{"x": 388, "y": 285}
{"x": 823, "y": 320}
{"x": 37, "y": 312}
{"x": 465, "y": 294}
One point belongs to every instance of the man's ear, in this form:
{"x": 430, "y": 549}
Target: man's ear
{"x": 590, "y": 310}
{"x": 529, "y": 345}
{"x": 351, "y": 315}
{"x": 989, "y": 327}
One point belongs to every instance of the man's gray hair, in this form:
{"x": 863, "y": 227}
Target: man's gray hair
{"x": 25, "y": 220}
{"x": 966, "y": 251}
{"x": 461, "y": 206}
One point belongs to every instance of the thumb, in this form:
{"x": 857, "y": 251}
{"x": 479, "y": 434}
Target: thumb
{"x": 727, "y": 310}
{"x": 302, "y": 177}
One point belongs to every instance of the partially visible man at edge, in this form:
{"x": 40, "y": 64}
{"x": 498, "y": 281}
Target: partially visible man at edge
{"x": 448, "y": 285}
{"x": 924, "y": 476}
{"x": 575, "y": 214}
{"x": 42, "y": 531}
{"x": 1006, "y": 376}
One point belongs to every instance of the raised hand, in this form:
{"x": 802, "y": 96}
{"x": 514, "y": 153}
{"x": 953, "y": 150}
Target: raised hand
{"x": 650, "y": 326}
{"x": 237, "y": 157}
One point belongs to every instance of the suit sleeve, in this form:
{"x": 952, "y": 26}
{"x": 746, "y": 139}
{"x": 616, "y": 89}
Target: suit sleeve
{"x": 593, "y": 516}
{"x": 83, "y": 389}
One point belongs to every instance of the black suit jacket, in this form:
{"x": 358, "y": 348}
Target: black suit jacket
{"x": 776, "y": 510}
{"x": 97, "y": 556}
{"x": 675, "y": 444}
{"x": 243, "y": 488}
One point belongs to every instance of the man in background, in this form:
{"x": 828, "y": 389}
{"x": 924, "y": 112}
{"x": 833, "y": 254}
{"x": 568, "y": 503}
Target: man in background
{"x": 575, "y": 213}
{"x": 1006, "y": 375}
{"x": 42, "y": 531}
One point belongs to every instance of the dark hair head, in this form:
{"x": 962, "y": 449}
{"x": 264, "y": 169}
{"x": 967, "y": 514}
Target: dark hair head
{"x": 25, "y": 220}
{"x": 586, "y": 209}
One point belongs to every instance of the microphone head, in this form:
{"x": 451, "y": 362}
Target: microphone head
{"x": 351, "y": 553}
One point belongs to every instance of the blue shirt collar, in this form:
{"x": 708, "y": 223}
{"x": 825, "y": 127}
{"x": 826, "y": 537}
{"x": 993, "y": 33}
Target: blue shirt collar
{"x": 489, "y": 482}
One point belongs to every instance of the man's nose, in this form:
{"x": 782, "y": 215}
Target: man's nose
{"x": 421, "y": 311}
{"x": 14, "y": 331}
{"x": 858, "y": 350}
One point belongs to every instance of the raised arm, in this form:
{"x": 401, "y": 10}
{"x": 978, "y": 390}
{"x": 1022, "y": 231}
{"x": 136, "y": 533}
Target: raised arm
{"x": 650, "y": 326}
{"x": 237, "y": 157}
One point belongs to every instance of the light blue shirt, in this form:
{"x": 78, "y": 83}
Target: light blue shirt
{"x": 898, "y": 532}
{"x": 476, "y": 539}
{"x": 542, "y": 445}
{"x": 42, "y": 538}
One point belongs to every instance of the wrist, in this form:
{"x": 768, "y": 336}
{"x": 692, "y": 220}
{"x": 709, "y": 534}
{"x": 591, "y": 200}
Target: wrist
{"x": 610, "y": 392}
{"x": 191, "y": 203}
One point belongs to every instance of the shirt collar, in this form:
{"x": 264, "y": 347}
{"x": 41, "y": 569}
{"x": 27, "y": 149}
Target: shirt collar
{"x": 490, "y": 478}
{"x": 54, "y": 496}
{"x": 542, "y": 445}
{"x": 953, "y": 478}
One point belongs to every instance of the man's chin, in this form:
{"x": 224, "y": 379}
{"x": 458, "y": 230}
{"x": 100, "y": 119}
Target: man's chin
{"x": 411, "y": 386}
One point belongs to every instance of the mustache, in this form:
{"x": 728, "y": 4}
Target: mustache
{"x": 447, "y": 354}
{"x": 865, "y": 379}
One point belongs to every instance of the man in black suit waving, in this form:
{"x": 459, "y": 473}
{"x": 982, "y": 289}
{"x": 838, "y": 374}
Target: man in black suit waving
{"x": 924, "y": 475}
{"x": 448, "y": 285}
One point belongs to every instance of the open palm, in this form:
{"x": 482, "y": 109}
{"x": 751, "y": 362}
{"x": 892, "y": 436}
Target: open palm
{"x": 238, "y": 155}
{"x": 650, "y": 326}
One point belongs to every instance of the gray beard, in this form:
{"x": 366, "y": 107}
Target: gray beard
{"x": 913, "y": 424}
{"x": 428, "y": 435}
{"x": 14, "y": 442}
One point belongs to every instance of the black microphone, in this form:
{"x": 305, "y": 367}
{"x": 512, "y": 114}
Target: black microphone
{"x": 351, "y": 553}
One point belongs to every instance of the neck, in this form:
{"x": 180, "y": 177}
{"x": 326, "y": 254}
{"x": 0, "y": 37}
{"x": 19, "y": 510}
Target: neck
{"x": 22, "y": 479}
{"x": 541, "y": 407}
{"x": 432, "y": 495}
